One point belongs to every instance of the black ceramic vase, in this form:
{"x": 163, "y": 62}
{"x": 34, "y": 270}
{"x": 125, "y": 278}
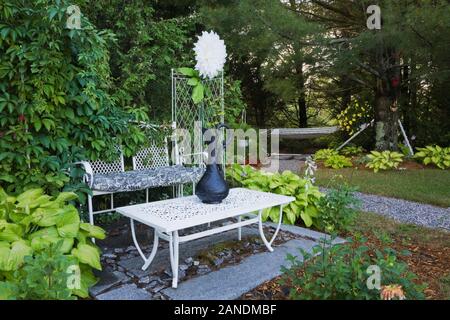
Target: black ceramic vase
{"x": 212, "y": 187}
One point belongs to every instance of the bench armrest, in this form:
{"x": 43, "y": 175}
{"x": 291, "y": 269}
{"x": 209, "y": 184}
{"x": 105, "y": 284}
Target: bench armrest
{"x": 204, "y": 155}
{"x": 88, "y": 172}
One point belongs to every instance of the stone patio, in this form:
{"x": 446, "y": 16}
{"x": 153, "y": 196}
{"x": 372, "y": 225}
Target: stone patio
{"x": 227, "y": 276}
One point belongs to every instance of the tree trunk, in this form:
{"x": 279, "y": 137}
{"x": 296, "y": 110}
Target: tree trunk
{"x": 386, "y": 101}
{"x": 302, "y": 115}
{"x": 386, "y": 118}
{"x": 301, "y": 101}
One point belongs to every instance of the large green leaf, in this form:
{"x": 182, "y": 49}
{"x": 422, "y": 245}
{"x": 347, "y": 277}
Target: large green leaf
{"x": 29, "y": 198}
{"x": 68, "y": 222}
{"x": 186, "y": 71}
{"x": 12, "y": 258}
{"x": 312, "y": 211}
{"x": 198, "y": 93}
{"x": 87, "y": 254}
{"x": 45, "y": 232}
{"x": 93, "y": 231}
{"x": 290, "y": 214}
{"x": 87, "y": 280}
{"x": 265, "y": 214}
{"x": 44, "y": 238}
{"x": 274, "y": 213}
{"x": 306, "y": 219}
{"x": 67, "y": 245}
{"x": 66, "y": 196}
{"x": 10, "y": 231}
{"x": 46, "y": 217}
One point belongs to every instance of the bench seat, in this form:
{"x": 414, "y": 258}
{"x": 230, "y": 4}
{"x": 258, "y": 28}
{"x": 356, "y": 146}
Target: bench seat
{"x": 144, "y": 179}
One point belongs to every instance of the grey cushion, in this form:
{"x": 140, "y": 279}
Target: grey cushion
{"x": 143, "y": 179}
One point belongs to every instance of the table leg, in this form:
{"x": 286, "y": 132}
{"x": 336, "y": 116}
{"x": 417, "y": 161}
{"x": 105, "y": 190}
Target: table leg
{"x": 147, "y": 261}
{"x": 239, "y": 229}
{"x": 261, "y": 230}
{"x": 278, "y": 227}
{"x": 174, "y": 256}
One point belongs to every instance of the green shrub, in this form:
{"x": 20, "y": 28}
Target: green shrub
{"x": 341, "y": 272}
{"x": 436, "y": 155}
{"x": 336, "y": 161}
{"x": 351, "y": 151}
{"x": 338, "y": 209}
{"x": 324, "y": 154}
{"x": 404, "y": 149}
{"x": 55, "y": 106}
{"x": 384, "y": 160}
{"x": 42, "y": 277}
{"x": 287, "y": 183}
{"x": 31, "y": 223}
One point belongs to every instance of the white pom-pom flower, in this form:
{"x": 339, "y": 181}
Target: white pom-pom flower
{"x": 210, "y": 54}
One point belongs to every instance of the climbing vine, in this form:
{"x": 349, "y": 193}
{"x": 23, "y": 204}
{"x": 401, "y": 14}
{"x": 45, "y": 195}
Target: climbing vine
{"x": 55, "y": 106}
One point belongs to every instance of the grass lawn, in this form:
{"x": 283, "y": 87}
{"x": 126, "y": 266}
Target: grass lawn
{"x": 424, "y": 185}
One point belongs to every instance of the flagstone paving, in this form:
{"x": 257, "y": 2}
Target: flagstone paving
{"x": 122, "y": 277}
{"x": 231, "y": 282}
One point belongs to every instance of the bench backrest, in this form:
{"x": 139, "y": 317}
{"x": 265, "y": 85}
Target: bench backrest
{"x": 102, "y": 167}
{"x": 155, "y": 156}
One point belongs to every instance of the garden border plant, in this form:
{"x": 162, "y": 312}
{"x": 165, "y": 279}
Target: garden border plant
{"x": 384, "y": 160}
{"x": 436, "y": 155}
{"x": 286, "y": 183}
{"x": 34, "y": 224}
{"x": 340, "y": 272}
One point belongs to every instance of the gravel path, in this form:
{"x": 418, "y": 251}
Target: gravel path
{"x": 406, "y": 211}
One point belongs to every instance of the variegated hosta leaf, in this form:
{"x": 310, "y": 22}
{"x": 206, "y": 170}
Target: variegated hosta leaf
{"x": 87, "y": 254}
{"x": 11, "y": 258}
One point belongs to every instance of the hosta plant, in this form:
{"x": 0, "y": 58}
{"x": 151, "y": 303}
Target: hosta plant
{"x": 351, "y": 151}
{"x": 286, "y": 183}
{"x": 436, "y": 155}
{"x": 33, "y": 222}
{"x": 384, "y": 160}
{"x": 337, "y": 161}
{"x": 324, "y": 154}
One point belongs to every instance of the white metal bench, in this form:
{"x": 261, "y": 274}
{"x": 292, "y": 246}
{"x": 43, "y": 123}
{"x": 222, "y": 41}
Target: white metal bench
{"x": 168, "y": 217}
{"x": 151, "y": 169}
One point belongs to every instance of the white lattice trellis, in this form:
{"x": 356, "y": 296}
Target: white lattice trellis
{"x": 185, "y": 113}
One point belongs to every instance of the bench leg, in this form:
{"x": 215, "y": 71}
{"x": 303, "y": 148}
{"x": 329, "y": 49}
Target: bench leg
{"x": 174, "y": 256}
{"x": 261, "y": 230}
{"x": 91, "y": 213}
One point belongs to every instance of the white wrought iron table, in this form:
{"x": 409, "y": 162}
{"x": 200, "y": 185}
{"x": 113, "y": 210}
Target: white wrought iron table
{"x": 168, "y": 217}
